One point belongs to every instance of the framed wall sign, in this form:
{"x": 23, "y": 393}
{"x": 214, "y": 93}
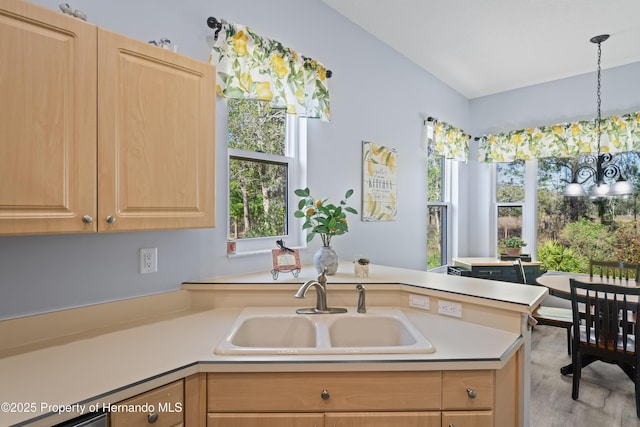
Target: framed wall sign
{"x": 379, "y": 182}
{"x": 285, "y": 260}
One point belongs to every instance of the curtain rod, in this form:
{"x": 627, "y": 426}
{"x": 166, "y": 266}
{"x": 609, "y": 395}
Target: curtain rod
{"x": 216, "y": 25}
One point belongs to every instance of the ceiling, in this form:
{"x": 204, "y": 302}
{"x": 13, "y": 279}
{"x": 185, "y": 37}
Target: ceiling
{"x": 482, "y": 47}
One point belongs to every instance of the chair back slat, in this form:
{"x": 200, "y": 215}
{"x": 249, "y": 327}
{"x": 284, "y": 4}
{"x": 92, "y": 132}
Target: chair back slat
{"x": 614, "y": 270}
{"x": 605, "y": 319}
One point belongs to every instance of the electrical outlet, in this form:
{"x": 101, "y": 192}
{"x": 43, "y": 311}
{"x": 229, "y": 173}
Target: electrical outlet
{"x": 419, "y": 301}
{"x": 148, "y": 260}
{"x": 450, "y": 308}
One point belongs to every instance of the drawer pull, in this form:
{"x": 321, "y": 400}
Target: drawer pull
{"x": 87, "y": 219}
{"x": 325, "y": 395}
{"x": 111, "y": 219}
{"x": 152, "y": 418}
{"x": 472, "y": 393}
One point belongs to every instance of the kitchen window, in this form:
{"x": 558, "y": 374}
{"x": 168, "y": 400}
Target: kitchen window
{"x": 510, "y": 198}
{"x": 565, "y": 232}
{"x": 266, "y": 154}
{"x": 438, "y": 206}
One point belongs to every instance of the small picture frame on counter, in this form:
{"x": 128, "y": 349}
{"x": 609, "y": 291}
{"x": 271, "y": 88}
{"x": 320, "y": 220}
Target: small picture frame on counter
{"x": 285, "y": 260}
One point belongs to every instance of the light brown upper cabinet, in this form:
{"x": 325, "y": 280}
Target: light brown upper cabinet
{"x": 100, "y": 132}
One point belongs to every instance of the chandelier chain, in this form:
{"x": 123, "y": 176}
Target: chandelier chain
{"x": 598, "y": 99}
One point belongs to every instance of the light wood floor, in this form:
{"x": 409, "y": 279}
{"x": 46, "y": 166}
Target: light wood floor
{"x": 606, "y": 394}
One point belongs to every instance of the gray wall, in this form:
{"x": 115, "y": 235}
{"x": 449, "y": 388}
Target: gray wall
{"x": 376, "y": 95}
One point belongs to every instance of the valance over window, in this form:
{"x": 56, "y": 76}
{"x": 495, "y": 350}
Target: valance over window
{"x": 449, "y": 141}
{"x": 619, "y": 134}
{"x": 252, "y": 67}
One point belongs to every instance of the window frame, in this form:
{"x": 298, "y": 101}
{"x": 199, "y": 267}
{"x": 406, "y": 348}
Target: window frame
{"x": 445, "y": 202}
{"x": 529, "y": 207}
{"x": 295, "y": 157}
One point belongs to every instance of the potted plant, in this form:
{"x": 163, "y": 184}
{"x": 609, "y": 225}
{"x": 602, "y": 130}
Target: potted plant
{"x": 327, "y": 220}
{"x": 513, "y": 245}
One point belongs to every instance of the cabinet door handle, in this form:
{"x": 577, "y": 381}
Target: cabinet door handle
{"x": 111, "y": 219}
{"x": 152, "y": 418}
{"x": 472, "y": 393}
{"x": 325, "y": 395}
{"x": 87, "y": 219}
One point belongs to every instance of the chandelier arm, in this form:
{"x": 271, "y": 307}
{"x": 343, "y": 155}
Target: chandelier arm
{"x": 584, "y": 173}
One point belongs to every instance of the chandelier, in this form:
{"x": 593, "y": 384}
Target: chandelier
{"x": 601, "y": 167}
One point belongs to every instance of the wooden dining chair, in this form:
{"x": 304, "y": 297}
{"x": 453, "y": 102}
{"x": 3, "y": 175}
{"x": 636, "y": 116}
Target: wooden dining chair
{"x": 604, "y": 329}
{"x": 550, "y": 316}
{"x": 614, "y": 269}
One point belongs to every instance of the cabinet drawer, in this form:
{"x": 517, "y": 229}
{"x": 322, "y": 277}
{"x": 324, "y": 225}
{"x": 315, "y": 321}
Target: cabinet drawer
{"x": 265, "y": 420}
{"x": 459, "y": 388}
{"x": 298, "y": 392}
{"x": 467, "y": 419}
{"x": 494, "y": 273}
{"x": 166, "y": 402}
{"x": 383, "y": 419}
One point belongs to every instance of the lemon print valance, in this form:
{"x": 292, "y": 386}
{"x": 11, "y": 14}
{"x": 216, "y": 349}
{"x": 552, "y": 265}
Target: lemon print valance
{"x": 618, "y": 134}
{"x": 249, "y": 66}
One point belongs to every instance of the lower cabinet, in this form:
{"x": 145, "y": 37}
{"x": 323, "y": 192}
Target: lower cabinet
{"x": 383, "y": 419}
{"x": 467, "y": 419}
{"x": 473, "y": 398}
{"x": 265, "y": 420}
{"x": 162, "y": 407}
{"x": 343, "y": 419}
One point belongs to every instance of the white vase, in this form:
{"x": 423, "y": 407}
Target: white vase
{"x": 326, "y": 258}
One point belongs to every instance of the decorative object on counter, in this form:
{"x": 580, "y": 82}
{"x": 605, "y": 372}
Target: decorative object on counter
{"x": 68, "y": 10}
{"x": 285, "y": 260}
{"x": 379, "y": 182}
{"x": 327, "y": 220}
{"x": 231, "y": 246}
{"x": 361, "y": 267}
{"x": 513, "y": 245}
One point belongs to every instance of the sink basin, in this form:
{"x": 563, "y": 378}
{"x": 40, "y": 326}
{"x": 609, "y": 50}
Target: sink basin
{"x": 381, "y": 330}
{"x": 378, "y": 331}
{"x": 275, "y": 331}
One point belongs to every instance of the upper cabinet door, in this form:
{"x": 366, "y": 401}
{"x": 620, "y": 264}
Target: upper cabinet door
{"x": 156, "y": 137}
{"x": 47, "y": 121}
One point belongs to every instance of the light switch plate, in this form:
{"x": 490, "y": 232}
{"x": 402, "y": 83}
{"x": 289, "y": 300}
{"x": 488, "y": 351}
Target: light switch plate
{"x": 419, "y": 301}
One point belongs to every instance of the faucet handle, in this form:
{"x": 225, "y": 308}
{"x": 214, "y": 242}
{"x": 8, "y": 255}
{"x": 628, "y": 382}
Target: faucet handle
{"x": 322, "y": 278}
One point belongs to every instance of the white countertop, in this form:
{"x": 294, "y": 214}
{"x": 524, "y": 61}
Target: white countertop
{"x": 84, "y": 370}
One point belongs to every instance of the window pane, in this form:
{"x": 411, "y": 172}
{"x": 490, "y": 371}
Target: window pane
{"x": 257, "y": 198}
{"x": 435, "y": 178}
{"x": 255, "y": 126}
{"x": 436, "y": 236}
{"x": 572, "y": 230}
{"x": 510, "y": 182}
{"x": 509, "y": 223}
